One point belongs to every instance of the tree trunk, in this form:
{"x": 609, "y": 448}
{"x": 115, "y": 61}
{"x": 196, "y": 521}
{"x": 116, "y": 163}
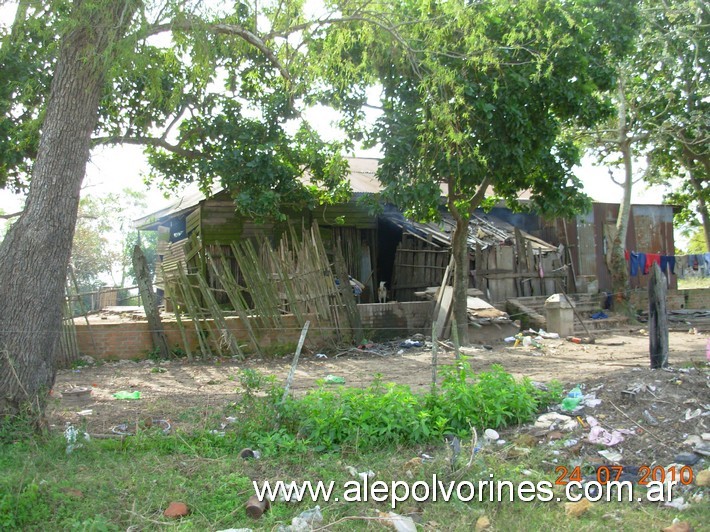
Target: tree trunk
{"x": 459, "y": 250}
{"x": 688, "y": 161}
{"x": 616, "y": 261}
{"x": 35, "y": 253}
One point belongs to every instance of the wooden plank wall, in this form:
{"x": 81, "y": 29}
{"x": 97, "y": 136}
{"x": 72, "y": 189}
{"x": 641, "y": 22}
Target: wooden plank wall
{"x": 417, "y": 265}
{"x": 509, "y": 271}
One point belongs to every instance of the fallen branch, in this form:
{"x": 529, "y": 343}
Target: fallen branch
{"x": 657, "y": 438}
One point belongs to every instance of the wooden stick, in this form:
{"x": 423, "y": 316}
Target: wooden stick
{"x": 294, "y": 364}
{"x": 434, "y": 356}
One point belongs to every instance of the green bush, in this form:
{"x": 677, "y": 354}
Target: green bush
{"x": 392, "y": 414}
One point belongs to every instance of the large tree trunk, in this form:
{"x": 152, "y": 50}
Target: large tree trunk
{"x": 35, "y": 253}
{"x": 459, "y": 250}
{"x": 696, "y": 183}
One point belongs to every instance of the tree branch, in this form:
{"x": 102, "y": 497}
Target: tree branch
{"x": 146, "y": 141}
{"x": 8, "y": 216}
{"x": 222, "y": 29}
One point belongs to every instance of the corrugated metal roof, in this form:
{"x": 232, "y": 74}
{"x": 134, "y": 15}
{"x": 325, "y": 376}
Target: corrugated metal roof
{"x": 483, "y": 230}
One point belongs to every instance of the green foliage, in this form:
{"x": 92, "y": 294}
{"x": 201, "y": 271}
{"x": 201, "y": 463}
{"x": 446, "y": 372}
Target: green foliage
{"x": 23, "y": 507}
{"x": 390, "y": 414}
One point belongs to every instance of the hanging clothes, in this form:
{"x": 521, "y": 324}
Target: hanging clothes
{"x": 668, "y": 263}
{"x": 681, "y": 265}
{"x": 651, "y": 258}
{"x": 637, "y": 262}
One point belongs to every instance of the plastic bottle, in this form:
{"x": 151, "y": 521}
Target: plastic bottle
{"x": 574, "y": 397}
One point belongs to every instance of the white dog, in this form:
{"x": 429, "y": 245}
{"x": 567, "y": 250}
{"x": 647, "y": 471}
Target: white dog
{"x": 382, "y": 293}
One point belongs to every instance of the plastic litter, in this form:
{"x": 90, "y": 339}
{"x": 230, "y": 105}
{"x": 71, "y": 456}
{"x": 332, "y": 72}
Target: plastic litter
{"x": 553, "y": 420}
{"x": 648, "y": 417}
{"x": 321, "y": 356}
{"x": 312, "y": 517}
{"x": 334, "y": 379}
{"x": 599, "y": 316}
{"x": 71, "y": 434}
{"x": 602, "y": 436}
{"x": 490, "y": 435}
{"x": 127, "y": 395}
{"x": 678, "y": 503}
{"x": 612, "y": 455}
{"x": 542, "y": 333}
{"x": 573, "y": 399}
{"x": 399, "y": 522}
{"x": 692, "y": 414}
{"x": 411, "y": 343}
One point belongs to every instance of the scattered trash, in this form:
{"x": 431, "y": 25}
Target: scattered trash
{"x": 321, "y": 356}
{"x": 121, "y": 430}
{"x": 333, "y": 379}
{"x": 548, "y": 335}
{"x": 702, "y": 479}
{"x": 602, "y": 436}
{"x": 686, "y": 459}
{"x": 482, "y": 523}
{"x": 411, "y": 343}
{"x": 312, "y": 517}
{"x": 85, "y": 413}
{"x": 599, "y": 316}
{"x": 219, "y": 433}
{"x": 248, "y": 454}
{"x": 573, "y": 399}
{"x": 399, "y": 522}
{"x": 571, "y": 442}
{"x": 127, "y": 395}
{"x": 648, "y": 417}
{"x": 591, "y": 400}
{"x": 678, "y": 503}
{"x": 256, "y": 508}
{"x": 490, "y": 435}
{"x": 288, "y": 492}
{"x": 176, "y": 510}
{"x": 611, "y": 455}
{"x": 692, "y": 415}
{"x": 575, "y": 509}
{"x": 678, "y": 526}
{"x": 71, "y": 434}
{"x": 553, "y": 420}
{"x": 702, "y": 448}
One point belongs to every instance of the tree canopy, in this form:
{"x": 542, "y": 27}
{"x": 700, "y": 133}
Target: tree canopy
{"x": 478, "y": 102}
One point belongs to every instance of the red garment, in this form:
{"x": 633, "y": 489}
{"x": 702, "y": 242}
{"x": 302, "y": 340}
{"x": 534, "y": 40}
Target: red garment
{"x": 627, "y": 255}
{"x": 650, "y": 259}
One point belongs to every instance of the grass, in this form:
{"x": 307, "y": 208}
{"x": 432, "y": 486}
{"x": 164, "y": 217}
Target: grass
{"x": 690, "y": 283}
{"x": 114, "y": 485}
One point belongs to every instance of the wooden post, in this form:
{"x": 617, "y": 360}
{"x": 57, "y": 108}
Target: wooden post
{"x": 140, "y": 266}
{"x": 434, "y": 357}
{"x": 294, "y": 364}
{"x": 657, "y": 319}
{"x": 347, "y": 294}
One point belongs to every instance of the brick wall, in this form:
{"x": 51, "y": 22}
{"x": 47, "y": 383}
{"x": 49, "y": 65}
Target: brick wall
{"x": 696, "y": 298}
{"x": 391, "y": 320}
{"x": 130, "y": 340}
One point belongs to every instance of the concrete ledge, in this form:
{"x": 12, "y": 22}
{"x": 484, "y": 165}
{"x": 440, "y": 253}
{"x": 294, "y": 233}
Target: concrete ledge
{"x": 394, "y": 319}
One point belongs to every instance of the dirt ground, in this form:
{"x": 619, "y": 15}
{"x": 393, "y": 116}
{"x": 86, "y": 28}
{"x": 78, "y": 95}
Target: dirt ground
{"x": 616, "y": 362}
